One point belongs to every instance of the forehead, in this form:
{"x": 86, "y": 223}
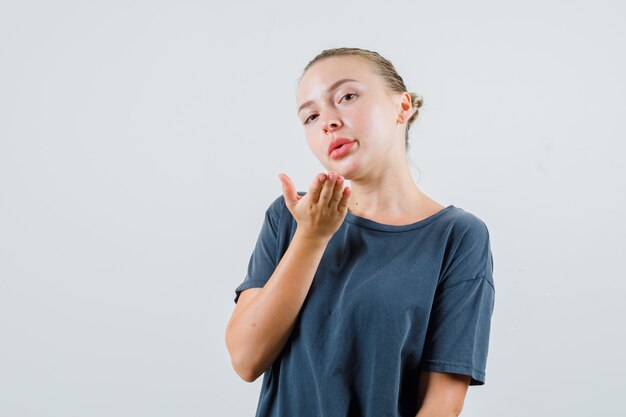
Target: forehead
{"x": 323, "y": 74}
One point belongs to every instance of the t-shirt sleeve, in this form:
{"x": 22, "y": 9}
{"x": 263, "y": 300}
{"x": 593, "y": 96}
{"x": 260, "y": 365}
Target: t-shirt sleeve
{"x": 264, "y": 258}
{"x": 457, "y": 338}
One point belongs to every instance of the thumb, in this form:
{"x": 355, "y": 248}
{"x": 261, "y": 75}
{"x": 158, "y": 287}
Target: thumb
{"x": 289, "y": 190}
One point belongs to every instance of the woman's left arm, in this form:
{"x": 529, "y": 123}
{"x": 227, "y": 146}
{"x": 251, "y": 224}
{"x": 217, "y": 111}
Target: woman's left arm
{"x": 441, "y": 394}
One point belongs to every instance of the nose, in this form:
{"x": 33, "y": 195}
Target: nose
{"x": 331, "y": 122}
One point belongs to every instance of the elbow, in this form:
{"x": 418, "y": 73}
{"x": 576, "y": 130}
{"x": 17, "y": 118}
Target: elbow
{"x": 241, "y": 366}
{"x": 250, "y": 377}
{"x": 245, "y": 371}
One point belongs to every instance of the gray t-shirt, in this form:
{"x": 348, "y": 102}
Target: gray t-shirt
{"x": 386, "y": 302}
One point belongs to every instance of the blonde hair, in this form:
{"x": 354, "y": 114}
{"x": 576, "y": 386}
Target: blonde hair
{"x": 385, "y": 69}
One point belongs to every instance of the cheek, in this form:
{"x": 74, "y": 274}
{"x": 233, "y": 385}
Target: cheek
{"x": 368, "y": 119}
{"x": 315, "y": 145}
{"x": 378, "y": 116}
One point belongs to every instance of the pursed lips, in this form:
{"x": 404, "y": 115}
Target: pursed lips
{"x": 335, "y": 143}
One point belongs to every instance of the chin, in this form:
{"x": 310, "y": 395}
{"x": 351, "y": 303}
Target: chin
{"x": 347, "y": 167}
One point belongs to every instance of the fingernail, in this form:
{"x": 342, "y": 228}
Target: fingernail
{"x": 340, "y": 180}
{"x": 321, "y": 178}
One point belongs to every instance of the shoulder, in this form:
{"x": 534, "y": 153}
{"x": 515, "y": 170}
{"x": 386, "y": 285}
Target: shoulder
{"x": 280, "y": 219}
{"x": 468, "y": 249}
{"x": 277, "y": 204}
{"x": 275, "y": 209}
{"x": 465, "y": 225}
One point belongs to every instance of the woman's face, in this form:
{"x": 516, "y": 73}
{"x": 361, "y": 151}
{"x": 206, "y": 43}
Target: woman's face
{"x": 359, "y": 110}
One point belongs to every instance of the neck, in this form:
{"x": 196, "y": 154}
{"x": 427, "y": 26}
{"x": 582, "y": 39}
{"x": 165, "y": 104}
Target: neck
{"x": 392, "y": 192}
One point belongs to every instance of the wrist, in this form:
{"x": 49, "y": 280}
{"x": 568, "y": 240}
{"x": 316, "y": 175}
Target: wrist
{"x": 311, "y": 238}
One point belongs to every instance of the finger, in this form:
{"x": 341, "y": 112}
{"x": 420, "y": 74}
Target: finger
{"x": 345, "y": 197}
{"x": 338, "y": 190}
{"x": 327, "y": 190}
{"x": 289, "y": 190}
{"x": 316, "y": 187}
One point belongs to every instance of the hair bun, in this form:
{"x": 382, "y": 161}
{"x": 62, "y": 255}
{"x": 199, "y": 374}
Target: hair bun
{"x": 417, "y": 100}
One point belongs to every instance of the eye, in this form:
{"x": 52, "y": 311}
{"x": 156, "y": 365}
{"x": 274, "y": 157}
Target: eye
{"x": 307, "y": 119}
{"x": 349, "y": 94}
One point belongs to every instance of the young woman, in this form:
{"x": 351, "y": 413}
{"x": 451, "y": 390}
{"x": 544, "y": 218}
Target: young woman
{"x": 370, "y": 300}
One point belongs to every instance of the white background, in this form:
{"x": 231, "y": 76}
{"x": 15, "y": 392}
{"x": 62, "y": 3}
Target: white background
{"x": 140, "y": 144}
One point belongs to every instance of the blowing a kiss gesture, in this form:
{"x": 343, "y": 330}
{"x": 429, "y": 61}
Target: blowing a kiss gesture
{"x": 320, "y": 212}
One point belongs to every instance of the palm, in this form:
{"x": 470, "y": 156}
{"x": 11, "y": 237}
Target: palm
{"x": 320, "y": 211}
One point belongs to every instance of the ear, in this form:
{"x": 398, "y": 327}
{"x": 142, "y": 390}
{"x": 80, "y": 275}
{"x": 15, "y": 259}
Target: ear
{"x": 406, "y": 107}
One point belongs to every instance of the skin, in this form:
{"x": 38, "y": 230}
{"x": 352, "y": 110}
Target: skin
{"x": 264, "y": 317}
{"x": 441, "y": 394}
{"x": 382, "y": 188}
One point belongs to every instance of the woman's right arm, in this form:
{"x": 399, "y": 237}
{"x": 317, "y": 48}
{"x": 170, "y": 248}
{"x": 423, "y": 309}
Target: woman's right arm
{"x": 261, "y": 324}
{"x": 264, "y": 317}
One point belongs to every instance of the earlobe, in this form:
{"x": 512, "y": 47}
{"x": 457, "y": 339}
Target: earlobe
{"x": 405, "y": 107}
{"x": 403, "y": 116}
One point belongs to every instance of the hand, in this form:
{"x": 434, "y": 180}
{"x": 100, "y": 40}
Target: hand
{"x": 320, "y": 212}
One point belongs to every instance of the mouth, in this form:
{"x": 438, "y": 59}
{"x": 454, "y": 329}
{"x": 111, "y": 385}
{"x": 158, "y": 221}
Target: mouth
{"x": 338, "y": 143}
{"x": 341, "y": 150}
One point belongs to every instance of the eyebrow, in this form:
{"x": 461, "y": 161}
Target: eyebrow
{"x": 328, "y": 90}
